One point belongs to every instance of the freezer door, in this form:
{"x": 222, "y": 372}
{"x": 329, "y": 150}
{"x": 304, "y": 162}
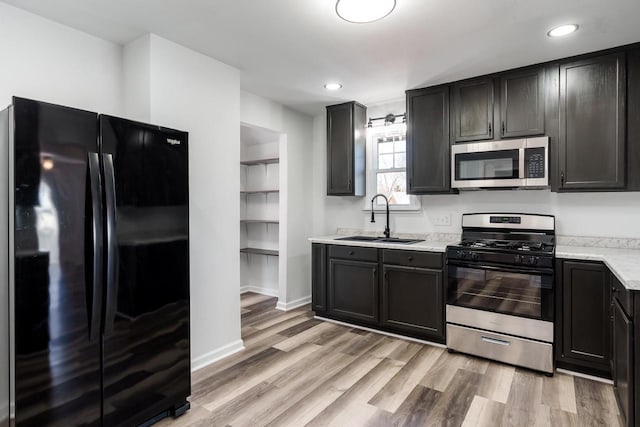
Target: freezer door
{"x": 56, "y": 305}
{"x": 146, "y": 336}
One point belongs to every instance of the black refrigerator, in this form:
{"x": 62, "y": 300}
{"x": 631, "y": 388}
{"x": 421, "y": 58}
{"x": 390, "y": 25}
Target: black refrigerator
{"x": 94, "y": 327}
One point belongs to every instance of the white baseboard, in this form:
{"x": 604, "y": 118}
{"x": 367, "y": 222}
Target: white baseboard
{"x": 215, "y": 355}
{"x": 259, "y": 290}
{"x": 286, "y": 306}
{"x": 589, "y": 377}
{"x": 377, "y": 331}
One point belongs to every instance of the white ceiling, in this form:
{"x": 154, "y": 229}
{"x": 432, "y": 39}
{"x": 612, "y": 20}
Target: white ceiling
{"x": 287, "y": 49}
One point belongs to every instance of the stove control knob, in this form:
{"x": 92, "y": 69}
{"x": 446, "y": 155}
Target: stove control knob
{"x": 474, "y": 256}
{"x": 532, "y": 260}
{"x": 519, "y": 259}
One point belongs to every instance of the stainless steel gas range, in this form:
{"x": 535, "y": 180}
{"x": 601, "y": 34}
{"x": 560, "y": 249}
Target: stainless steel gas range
{"x": 500, "y": 289}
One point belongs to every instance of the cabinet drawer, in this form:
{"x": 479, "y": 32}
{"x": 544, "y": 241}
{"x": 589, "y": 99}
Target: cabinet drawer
{"x": 353, "y": 252}
{"x": 412, "y": 258}
{"x": 623, "y": 295}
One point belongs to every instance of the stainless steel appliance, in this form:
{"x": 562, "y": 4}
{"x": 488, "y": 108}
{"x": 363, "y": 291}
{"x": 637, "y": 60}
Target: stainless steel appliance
{"x": 500, "y": 289}
{"x": 513, "y": 163}
{"x": 95, "y": 268}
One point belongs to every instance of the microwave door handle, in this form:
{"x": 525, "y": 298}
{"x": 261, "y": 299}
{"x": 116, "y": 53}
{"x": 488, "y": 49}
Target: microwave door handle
{"x": 521, "y": 154}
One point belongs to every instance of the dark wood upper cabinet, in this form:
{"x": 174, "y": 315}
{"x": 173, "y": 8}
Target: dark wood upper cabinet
{"x": 428, "y": 149}
{"x": 585, "y": 338}
{"x": 522, "y": 103}
{"x": 346, "y": 146}
{"x": 593, "y": 123}
{"x": 633, "y": 120}
{"x": 473, "y": 110}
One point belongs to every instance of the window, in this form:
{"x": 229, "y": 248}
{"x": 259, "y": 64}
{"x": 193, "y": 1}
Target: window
{"x": 389, "y": 166}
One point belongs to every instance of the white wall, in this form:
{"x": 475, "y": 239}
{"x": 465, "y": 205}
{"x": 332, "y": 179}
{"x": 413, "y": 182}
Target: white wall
{"x": 581, "y": 214}
{"x": 50, "y": 62}
{"x": 295, "y": 162}
{"x": 136, "y": 79}
{"x": 196, "y": 93}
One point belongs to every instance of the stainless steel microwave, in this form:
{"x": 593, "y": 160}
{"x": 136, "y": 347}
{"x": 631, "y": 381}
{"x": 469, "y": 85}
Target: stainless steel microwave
{"x": 510, "y": 163}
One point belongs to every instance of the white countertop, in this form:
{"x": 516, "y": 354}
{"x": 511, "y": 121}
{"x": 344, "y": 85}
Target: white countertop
{"x": 624, "y": 263}
{"x": 427, "y": 245}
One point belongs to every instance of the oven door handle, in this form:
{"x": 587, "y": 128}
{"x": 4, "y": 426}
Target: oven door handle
{"x": 537, "y": 272}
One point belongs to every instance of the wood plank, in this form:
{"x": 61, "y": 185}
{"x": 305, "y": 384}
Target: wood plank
{"x": 453, "y": 405}
{"x": 595, "y": 403}
{"x": 256, "y": 374}
{"x": 483, "y": 412}
{"x": 416, "y": 408}
{"x": 559, "y": 392}
{"x": 524, "y": 405}
{"x": 496, "y": 382}
{"x": 402, "y": 384}
{"x": 309, "y": 335}
{"x": 356, "y": 398}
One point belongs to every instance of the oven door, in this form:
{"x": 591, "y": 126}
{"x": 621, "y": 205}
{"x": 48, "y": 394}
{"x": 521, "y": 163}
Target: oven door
{"x": 509, "y": 290}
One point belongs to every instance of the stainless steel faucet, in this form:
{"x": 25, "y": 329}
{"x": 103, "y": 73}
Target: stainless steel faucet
{"x": 387, "y": 231}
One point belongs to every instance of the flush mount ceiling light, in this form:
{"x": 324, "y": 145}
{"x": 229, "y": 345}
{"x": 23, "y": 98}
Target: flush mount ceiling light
{"x": 363, "y": 11}
{"x": 333, "y": 86}
{"x": 563, "y": 30}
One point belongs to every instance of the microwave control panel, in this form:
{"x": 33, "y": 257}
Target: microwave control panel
{"x": 534, "y": 160}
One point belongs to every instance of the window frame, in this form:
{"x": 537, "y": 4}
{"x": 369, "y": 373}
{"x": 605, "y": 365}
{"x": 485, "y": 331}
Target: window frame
{"x": 373, "y": 134}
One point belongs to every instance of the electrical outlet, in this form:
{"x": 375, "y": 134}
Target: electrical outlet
{"x": 442, "y": 220}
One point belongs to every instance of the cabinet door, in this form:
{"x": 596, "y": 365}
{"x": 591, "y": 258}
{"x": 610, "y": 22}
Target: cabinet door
{"x": 586, "y": 298}
{"x": 428, "y": 154}
{"x": 318, "y": 279}
{"x": 592, "y": 123}
{"x": 353, "y": 290}
{"x": 346, "y": 146}
{"x": 522, "y": 103}
{"x": 412, "y": 300}
{"x": 473, "y": 110}
{"x": 623, "y": 361}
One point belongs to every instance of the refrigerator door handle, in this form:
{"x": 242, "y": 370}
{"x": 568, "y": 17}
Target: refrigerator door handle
{"x": 95, "y": 187}
{"x": 112, "y": 244}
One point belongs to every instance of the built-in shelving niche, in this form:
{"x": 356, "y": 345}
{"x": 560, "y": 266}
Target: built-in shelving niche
{"x": 259, "y": 210}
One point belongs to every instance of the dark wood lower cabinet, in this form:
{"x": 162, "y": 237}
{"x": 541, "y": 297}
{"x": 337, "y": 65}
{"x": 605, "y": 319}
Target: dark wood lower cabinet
{"x": 623, "y": 363}
{"x": 354, "y": 290}
{"x": 412, "y": 300}
{"x": 583, "y": 317}
{"x": 395, "y": 291}
{"x": 318, "y": 278}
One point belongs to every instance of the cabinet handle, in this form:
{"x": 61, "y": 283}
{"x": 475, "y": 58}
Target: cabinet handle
{"x": 502, "y": 128}
{"x": 410, "y": 258}
{"x": 489, "y": 128}
{"x": 349, "y": 184}
{"x": 385, "y": 275}
{"x": 562, "y": 179}
{"x": 351, "y": 252}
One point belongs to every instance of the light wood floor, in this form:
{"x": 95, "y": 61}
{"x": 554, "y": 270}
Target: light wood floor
{"x": 299, "y": 371}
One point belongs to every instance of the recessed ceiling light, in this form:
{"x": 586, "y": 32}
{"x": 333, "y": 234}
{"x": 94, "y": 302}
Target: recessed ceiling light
{"x": 333, "y": 86}
{"x": 362, "y": 11}
{"x": 562, "y": 30}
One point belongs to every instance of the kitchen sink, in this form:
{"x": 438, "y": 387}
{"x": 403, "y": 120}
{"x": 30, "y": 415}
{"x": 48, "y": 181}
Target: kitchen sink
{"x": 361, "y": 238}
{"x": 380, "y": 239}
{"x": 399, "y": 240}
